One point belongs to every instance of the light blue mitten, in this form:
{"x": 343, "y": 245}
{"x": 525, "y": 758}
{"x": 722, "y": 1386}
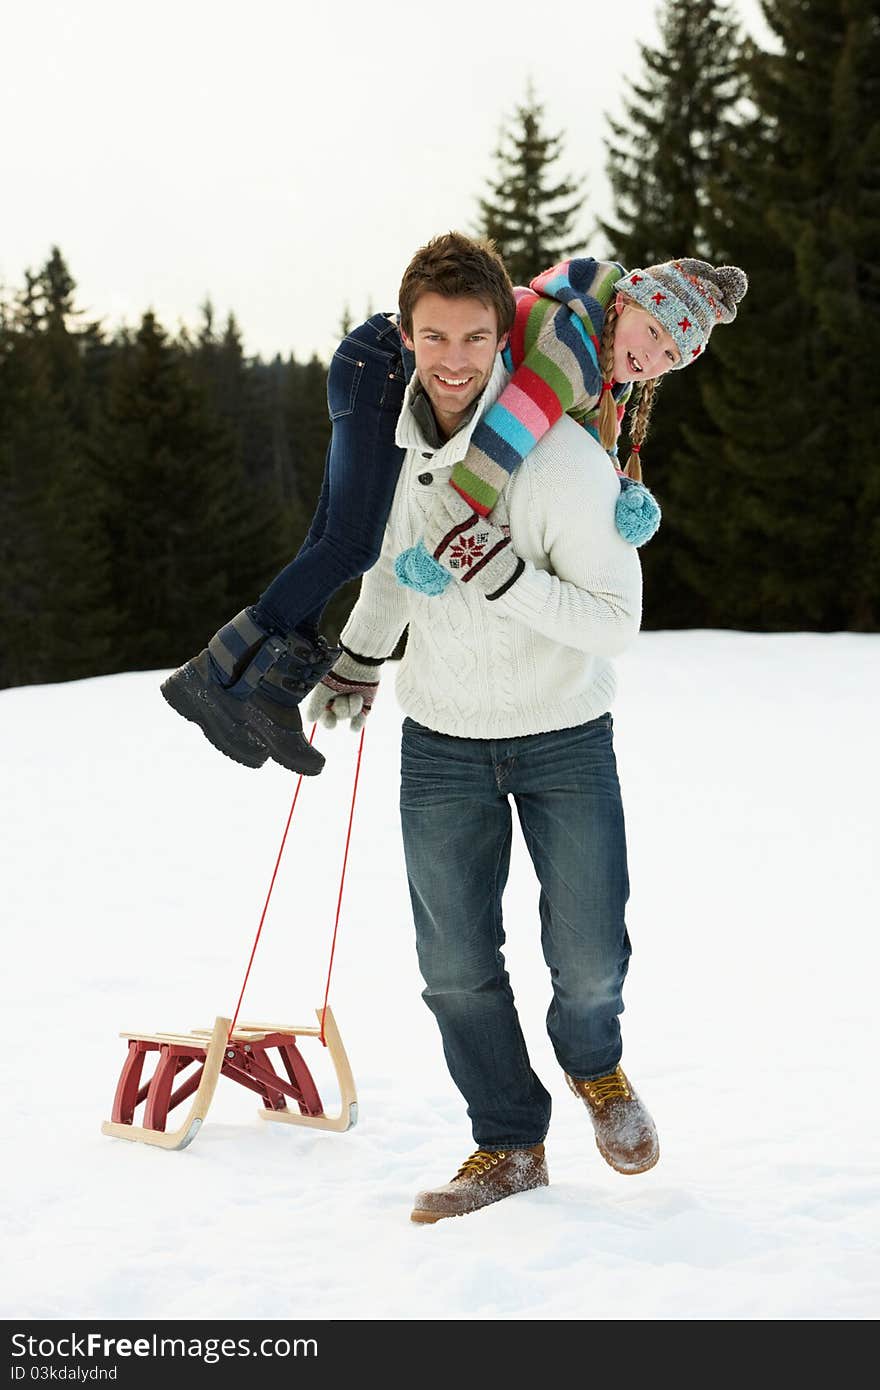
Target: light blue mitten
{"x": 416, "y": 569}
{"x": 637, "y": 512}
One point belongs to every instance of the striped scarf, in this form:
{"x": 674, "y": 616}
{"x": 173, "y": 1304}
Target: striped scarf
{"x": 553, "y": 355}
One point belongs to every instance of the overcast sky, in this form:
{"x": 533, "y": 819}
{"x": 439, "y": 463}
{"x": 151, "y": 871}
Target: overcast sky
{"x": 283, "y": 159}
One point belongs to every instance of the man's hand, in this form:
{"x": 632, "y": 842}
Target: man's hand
{"x": 346, "y": 692}
{"x": 458, "y": 543}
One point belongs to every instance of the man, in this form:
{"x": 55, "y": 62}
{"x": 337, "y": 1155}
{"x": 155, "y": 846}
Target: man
{"x": 506, "y": 687}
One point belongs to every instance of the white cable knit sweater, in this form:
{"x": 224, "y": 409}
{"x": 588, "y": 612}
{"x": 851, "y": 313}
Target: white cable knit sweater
{"x": 535, "y": 659}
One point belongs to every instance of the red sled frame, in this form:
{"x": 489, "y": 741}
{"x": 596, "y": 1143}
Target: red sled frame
{"x": 244, "y": 1057}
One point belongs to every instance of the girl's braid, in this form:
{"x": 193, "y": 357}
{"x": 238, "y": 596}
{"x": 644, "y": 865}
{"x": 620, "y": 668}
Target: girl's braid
{"x": 607, "y": 420}
{"x": 638, "y": 426}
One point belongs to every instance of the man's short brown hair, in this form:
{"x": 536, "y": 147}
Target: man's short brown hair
{"x": 458, "y": 266}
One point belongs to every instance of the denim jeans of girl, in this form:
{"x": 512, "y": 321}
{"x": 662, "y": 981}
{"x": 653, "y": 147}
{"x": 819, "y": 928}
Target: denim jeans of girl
{"x": 455, "y": 805}
{"x": 365, "y": 386}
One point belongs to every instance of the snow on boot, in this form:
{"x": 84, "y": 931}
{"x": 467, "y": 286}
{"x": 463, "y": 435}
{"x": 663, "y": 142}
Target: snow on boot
{"x": 487, "y": 1176}
{"x": 625, "y": 1133}
{"x": 244, "y": 691}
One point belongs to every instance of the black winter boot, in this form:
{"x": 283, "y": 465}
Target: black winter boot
{"x": 244, "y": 692}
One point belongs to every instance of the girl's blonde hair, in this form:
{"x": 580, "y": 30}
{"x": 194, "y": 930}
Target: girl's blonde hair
{"x": 638, "y": 418}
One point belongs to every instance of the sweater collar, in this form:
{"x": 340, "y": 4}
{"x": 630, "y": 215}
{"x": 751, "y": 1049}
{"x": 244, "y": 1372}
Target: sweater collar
{"x": 410, "y": 434}
{"x": 426, "y": 420}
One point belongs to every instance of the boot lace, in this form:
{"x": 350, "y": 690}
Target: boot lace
{"x": 480, "y": 1161}
{"x": 614, "y": 1086}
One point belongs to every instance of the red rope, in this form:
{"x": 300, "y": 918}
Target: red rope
{"x": 268, "y": 896}
{"x": 357, "y": 773}
{"x": 272, "y": 885}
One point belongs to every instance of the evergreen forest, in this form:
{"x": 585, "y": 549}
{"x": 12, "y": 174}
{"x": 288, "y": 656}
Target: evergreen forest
{"x": 138, "y": 468}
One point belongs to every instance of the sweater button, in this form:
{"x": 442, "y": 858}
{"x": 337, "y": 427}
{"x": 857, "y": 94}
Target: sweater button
{"x": 426, "y": 479}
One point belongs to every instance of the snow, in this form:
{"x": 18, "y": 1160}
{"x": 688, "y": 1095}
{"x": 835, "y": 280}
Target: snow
{"x": 136, "y": 862}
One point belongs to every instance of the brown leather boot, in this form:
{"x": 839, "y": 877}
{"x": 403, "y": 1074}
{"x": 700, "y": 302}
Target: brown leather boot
{"x": 625, "y": 1133}
{"x": 485, "y": 1177}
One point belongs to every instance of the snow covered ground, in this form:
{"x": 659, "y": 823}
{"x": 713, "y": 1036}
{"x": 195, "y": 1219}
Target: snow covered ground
{"x": 135, "y": 862}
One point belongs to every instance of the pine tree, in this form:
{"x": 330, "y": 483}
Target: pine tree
{"x": 662, "y": 157}
{"x": 800, "y": 207}
{"x": 662, "y": 161}
{"x": 55, "y": 603}
{"x": 530, "y": 219}
{"x": 187, "y": 547}
{"x": 53, "y": 600}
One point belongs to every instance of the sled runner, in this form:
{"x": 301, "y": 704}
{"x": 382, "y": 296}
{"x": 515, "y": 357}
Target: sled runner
{"x": 244, "y": 1056}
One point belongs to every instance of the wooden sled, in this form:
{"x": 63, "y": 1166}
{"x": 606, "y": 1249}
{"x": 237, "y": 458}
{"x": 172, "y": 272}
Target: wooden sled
{"x": 245, "y": 1058}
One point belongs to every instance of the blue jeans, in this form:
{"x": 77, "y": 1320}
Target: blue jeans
{"x": 365, "y": 386}
{"x": 456, "y": 819}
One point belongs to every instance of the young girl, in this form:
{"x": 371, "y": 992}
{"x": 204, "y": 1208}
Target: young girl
{"x": 583, "y": 332}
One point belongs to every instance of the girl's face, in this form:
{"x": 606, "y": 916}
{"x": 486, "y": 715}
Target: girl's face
{"x": 642, "y": 347}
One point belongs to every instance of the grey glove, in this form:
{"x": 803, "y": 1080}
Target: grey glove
{"x": 458, "y": 543}
{"x": 346, "y": 692}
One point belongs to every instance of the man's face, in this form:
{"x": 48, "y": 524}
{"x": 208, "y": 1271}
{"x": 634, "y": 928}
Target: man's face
{"x": 455, "y": 342}
{"x": 642, "y": 347}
